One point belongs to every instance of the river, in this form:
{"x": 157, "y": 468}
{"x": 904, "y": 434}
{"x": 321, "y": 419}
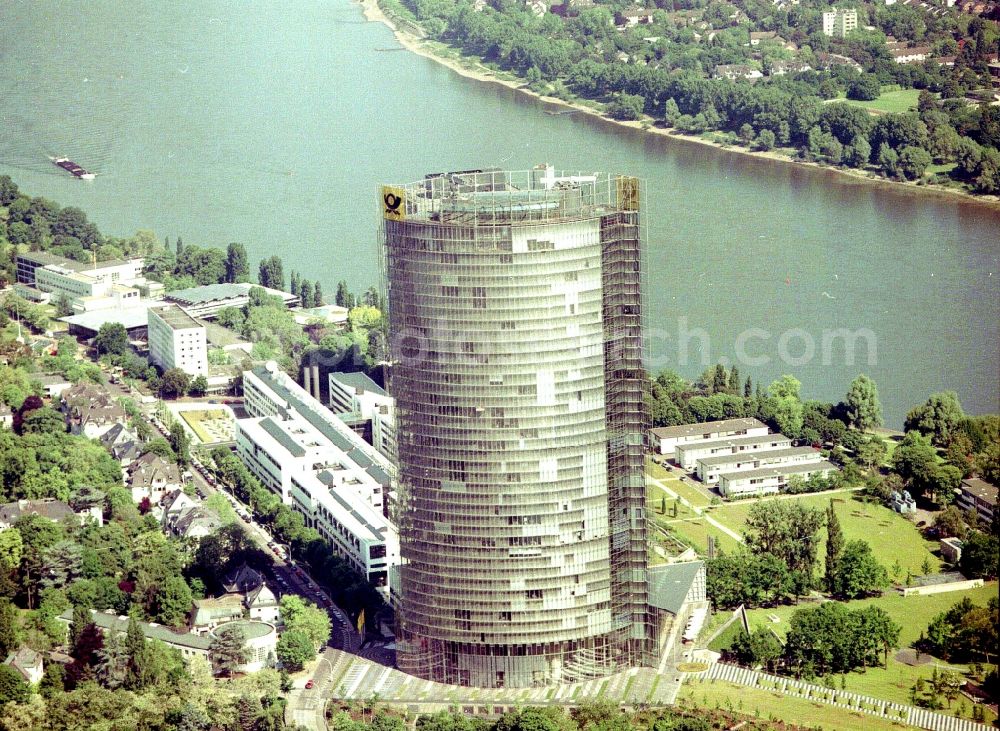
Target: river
{"x": 272, "y": 124}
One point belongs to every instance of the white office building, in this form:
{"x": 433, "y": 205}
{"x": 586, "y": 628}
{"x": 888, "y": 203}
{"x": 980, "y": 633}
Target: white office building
{"x": 177, "y": 340}
{"x": 709, "y": 468}
{"x": 319, "y": 466}
{"x": 358, "y": 396}
{"x": 687, "y": 455}
{"x": 770, "y": 479}
{"x": 665, "y": 439}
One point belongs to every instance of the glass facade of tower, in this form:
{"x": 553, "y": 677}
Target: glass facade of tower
{"x": 515, "y": 310}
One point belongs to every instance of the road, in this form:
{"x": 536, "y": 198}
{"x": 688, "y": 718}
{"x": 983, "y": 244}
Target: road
{"x": 289, "y": 577}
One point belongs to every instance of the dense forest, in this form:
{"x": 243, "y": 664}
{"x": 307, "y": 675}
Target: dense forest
{"x": 666, "y": 70}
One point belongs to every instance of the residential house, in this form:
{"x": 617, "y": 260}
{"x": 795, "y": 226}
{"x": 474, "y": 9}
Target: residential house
{"x": 780, "y": 68}
{"x": 122, "y": 443}
{"x": 829, "y": 60}
{"x": 52, "y": 384}
{"x": 536, "y": 8}
{"x": 195, "y": 523}
{"x": 174, "y": 504}
{"x": 6, "y": 416}
{"x": 28, "y": 663}
{"x": 262, "y": 604}
{"x": 632, "y": 17}
{"x": 151, "y": 476}
{"x": 49, "y": 508}
{"x": 91, "y": 410}
{"x": 901, "y": 53}
{"x": 207, "y": 614}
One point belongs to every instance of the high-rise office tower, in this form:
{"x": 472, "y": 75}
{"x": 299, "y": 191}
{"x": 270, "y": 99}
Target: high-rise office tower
{"x": 516, "y": 342}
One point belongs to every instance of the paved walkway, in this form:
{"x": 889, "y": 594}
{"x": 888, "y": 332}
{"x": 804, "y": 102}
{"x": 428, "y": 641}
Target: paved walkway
{"x": 697, "y": 510}
{"x": 896, "y": 712}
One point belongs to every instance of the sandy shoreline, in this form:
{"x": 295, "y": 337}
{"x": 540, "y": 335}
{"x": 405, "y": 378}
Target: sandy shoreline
{"x": 412, "y": 43}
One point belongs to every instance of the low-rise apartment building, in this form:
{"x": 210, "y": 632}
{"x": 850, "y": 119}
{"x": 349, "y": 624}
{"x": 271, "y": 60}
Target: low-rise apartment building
{"x": 709, "y": 468}
{"x": 770, "y": 479}
{"x": 687, "y": 455}
{"x": 979, "y": 495}
{"x": 665, "y": 439}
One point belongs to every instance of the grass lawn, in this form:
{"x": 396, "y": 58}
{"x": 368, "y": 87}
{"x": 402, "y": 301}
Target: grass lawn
{"x": 780, "y": 707}
{"x": 893, "y": 538}
{"x": 913, "y": 614}
{"x": 696, "y": 532}
{"x": 693, "y": 495}
{"x": 901, "y": 100}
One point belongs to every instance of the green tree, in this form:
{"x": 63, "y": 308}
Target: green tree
{"x": 306, "y": 618}
{"x": 915, "y": 461}
{"x": 228, "y": 650}
{"x": 863, "y": 408}
{"x": 858, "y": 572}
{"x": 295, "y": 649}
{"x": 180, "y": 443}
{"x": 979, "y": 556}
{"x": 626, "y": 106}
{"x": 760, "y": 648}
{"x": 172, "y": 602}
{"x": 913, "y": 162}
{"x": 174, "y": 383}
{"x": 237, "y": 263}
{"x": 13, "y": 689}
{"x": 834, "y": 547}
{"x": 871, "y": 452}
{"x": 344, "y": 298}
{"x": 788, "y": 530}
{"x": 111, "y": 339}
{"x": 864, "y": 88}
{"x": 938, "y": 417}
{"x": 199, "y": 385}
{"x": 950, "y": 523}
{"x": 271, "y": 273}
{"x": 317, "y": 299}
{"x": 306, "y": 293}
{"x": 9, "y": 630}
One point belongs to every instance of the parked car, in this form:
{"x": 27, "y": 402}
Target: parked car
{"x": 309, "y": 684}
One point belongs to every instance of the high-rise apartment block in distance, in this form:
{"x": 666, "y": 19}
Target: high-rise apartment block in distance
{"x": 839, "y": 22}
{"x": 516, "y": 342}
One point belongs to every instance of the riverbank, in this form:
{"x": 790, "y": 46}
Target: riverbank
{"x": 413, "y": 43}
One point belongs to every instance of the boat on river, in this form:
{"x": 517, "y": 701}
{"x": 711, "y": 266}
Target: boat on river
{"x": 71, "y": 167}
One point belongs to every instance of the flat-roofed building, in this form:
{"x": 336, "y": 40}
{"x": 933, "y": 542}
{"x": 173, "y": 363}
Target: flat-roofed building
{"x": 665, "y": 439}
{"x": 709, "y": 468}
{"x": 770, "y": 479}
{"x": 267, "y": 391}
{"x": 979, "y": 495}
{"x": 357, "y": 396}
{"x": 188, "y": 643}
{"x": 177, "y": 340}
{"x": 206, "y": 301}
{"x": 837, "y": 23}
{"x": 324, "y": 470}
{"x": 687, "y": 455}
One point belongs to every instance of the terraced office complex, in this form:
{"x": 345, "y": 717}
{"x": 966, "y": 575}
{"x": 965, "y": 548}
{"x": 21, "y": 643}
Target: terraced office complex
{"x": 516, "y": 315}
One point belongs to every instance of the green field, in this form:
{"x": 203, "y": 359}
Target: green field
{"x": 913, "y": 614}
{"x": 902, "y": 100}
{"x": 768, "y": 704}
{"x": 893, "y": 538}
{"x": 696, "y": 532}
